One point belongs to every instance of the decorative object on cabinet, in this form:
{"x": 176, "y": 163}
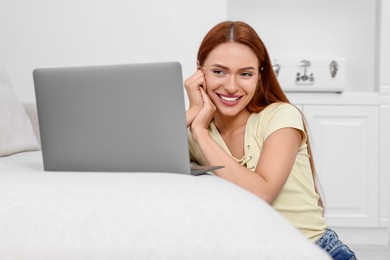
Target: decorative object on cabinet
{"x": 305, "y": 78}
{"x": 311, "y": 75}
{"x": 276, "y": 67}
{"x": 333, "y": 67}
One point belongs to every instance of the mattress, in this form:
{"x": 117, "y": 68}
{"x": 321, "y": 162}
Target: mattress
{"x": 106, "y": 215}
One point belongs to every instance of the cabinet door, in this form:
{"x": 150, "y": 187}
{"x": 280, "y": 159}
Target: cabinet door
{"x": 345, "y": 143}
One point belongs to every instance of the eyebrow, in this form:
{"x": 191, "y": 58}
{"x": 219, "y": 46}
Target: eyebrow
{"x": 226, "y": 68}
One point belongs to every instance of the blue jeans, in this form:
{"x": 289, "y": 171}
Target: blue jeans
{"x": 334, "y": 247}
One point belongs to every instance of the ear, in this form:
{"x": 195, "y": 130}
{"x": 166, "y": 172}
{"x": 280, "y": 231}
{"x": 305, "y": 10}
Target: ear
{"x": 198, "y": 64}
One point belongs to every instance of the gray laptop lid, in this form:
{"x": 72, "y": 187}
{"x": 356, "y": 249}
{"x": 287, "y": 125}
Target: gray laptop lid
{"x": 128, "y": 118}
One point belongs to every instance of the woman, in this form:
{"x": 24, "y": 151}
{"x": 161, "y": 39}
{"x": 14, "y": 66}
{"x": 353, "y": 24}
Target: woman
{"x": 239, "y": 117}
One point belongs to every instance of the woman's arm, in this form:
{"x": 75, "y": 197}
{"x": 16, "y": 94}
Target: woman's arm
{"x": 274, "y": 166}
{"x": 191, "y": 114}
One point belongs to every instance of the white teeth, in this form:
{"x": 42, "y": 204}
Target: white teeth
{"x": 229, "y": 99}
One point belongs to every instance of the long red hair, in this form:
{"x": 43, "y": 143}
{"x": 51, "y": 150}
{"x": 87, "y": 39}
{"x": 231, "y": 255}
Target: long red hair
{"x": 268, "y": 90}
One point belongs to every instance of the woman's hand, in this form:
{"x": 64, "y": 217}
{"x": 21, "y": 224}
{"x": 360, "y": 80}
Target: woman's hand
{"x": 202, "y": 120}
{"x": 193, "y": 85}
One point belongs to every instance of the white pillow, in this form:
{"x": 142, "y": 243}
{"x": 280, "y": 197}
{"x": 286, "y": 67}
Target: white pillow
{"x": 16, "y": 132}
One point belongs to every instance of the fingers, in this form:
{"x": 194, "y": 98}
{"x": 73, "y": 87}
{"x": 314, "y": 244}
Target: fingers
{"x": 207, "y": 103}
{"x": 193, "y": 85}
{"x": 205, "y": 115}
{"x": 196, "y": 81}
{"x": 204, "y": 85}
{"x": 205, "y": 97}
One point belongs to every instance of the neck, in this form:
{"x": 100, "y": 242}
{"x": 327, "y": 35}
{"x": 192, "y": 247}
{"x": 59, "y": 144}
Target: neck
{"x": 228, "y": 124}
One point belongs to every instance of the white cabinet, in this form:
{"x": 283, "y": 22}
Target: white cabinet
{"x": 349, "y": 134}
{"x": 345, "y": 143}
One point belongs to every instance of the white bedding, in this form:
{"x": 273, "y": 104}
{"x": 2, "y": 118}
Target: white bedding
{"x": 68, "y": 215}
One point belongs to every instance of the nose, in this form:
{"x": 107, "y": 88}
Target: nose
{"x": 231, "y": 85}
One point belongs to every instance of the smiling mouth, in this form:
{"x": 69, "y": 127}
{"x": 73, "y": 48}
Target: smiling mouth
{"x": 229, "y": 99}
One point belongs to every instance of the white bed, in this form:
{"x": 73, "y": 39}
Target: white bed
{"x": 68, "y": 215}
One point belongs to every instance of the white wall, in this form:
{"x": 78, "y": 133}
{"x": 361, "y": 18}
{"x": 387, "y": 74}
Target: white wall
{"x": 48, "y": 33}
{"x": 305, "y": 29}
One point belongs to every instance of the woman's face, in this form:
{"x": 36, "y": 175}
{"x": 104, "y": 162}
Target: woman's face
{"x": 232, "y": 72}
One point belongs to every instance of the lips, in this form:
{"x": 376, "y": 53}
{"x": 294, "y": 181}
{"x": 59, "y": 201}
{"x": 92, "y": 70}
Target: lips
{"x": 229, "y": 100}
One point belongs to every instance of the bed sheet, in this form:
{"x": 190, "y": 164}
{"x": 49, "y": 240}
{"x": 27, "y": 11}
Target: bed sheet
{"x": 84, "y": 215}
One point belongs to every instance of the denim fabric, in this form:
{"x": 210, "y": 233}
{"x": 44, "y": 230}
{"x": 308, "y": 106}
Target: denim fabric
{"x": 334, "y": 247}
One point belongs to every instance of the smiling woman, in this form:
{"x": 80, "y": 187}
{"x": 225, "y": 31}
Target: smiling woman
{"x": 231, "y": 83}
{"x": 240, "y": 117}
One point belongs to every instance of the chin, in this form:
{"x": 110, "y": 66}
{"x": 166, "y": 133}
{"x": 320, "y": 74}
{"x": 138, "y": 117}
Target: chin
{"x": 230, "y": 112}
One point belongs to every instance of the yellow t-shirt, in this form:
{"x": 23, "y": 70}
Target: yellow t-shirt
{"x": 297, "y": 201}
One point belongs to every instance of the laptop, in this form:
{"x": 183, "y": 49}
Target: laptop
{"x": 114, "y": 118}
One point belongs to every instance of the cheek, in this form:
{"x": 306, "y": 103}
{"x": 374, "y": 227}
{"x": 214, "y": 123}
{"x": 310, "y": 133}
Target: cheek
{"x": 251, "y": 86}
{"x": 214, "y": 82}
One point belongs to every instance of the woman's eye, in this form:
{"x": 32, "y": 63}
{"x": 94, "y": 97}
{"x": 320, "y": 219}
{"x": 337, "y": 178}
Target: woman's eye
{"x": 246, "y": 74}
{"x": 219, "y": 72}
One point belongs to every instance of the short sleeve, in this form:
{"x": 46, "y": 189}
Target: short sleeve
{"x": 282, "y": 115}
